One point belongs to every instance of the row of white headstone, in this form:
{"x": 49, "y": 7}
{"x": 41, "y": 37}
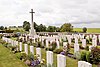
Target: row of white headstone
{"x": 76, "y": 45}
{"x": 61, "y": 59}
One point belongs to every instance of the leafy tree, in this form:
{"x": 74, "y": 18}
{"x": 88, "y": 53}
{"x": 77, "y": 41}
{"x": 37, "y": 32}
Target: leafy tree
{"x": 1, "y": 28}
{"x": 36, "y": 27}
{"x": 84, "y": 30}
{"x": 51, "y": 29}
{"x": 41, "y": 28}
{"x": 57, "y": 29}
{"x": 5, "y": 28}
{"x": 26, "y": 25}
{"x": 67, "y": 27}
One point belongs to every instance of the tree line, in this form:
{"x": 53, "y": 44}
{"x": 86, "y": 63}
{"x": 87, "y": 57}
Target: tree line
{"x": 66, "y": 27}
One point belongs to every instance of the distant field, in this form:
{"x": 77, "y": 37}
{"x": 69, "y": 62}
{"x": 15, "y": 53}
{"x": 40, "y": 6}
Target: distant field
{"x": 89, "y": 30}
{"x": 18, "y": 29}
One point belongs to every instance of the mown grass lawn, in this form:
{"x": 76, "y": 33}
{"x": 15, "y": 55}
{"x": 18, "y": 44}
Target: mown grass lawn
{"x": 8, "y": 59}
{"x": 70, "y": 62}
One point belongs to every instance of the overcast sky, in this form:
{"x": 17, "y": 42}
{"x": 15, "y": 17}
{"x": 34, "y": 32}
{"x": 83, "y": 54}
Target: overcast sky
{"x": 80, "y": 13}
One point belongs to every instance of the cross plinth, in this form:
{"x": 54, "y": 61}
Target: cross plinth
{"x": 32, "y": 30}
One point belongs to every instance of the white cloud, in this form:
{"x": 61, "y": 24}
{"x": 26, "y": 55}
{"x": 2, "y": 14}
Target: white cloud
{"x": 51, "y": 12}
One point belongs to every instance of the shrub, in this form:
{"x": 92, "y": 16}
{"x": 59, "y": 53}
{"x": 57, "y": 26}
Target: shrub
{"x": 48, "y": 49}
{"x": 23, "y": 56}
{"x": 44, "y": 41}
{"x": 39, "y": 44}
{"x": 6, "y": 44}
{"x": 87, "y": 48}
{"x": 68, "y": 48}
{"x": 1, "y": 35}
{"x": 61, "y": 43}
{"x": 53, "y": 44}
{"x": 95, "y": 52}
{"x": 58, "y": 51}
{"x": 87, "y": 41}
{"x": 83, "y": 55}
{"x": 77, "y": 55}
{"x": 88, "y": 54}
{"x": 81, "y": 47}
{"x": 12, "y": 48}
{"x": 18, "y": 55}
{"x": 73, "y": 40}
{"x": 91, "y": 39}
{"x": 2, "y": 42}
{"x": 31, "y": 57}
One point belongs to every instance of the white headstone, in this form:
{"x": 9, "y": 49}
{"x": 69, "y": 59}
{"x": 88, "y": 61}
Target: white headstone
{"x": 26, "y": 38}
{"x": 64, "y": 44}
{"x": 76, "y": 48}
{"x": 87, "y": 37}
{"x": 38, "y": 52}
{"x": 32, "y": 49}
{"x": 94, "y": 41}
{"x": 61, "y": 60}
{"x": 47, "y": 44}
{"x": 26, "y": 48}
{"x": 20, "y": 46}
{"x": 49, "y": 58}
{"x": 69, "y": 41}
{"x": 34, "y": 40}
{"x": 76, "y": 40}
{"x": 84, "y": 64}
{"x": 13, "y": 43}
{"x": 58, "y": 44}
{"x": 17, "y": 45}
{"x": 84, "y": 43}
{"x": 90, "y": 36}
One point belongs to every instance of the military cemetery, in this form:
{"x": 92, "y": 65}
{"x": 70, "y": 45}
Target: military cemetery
{"x": 34, "y": 45}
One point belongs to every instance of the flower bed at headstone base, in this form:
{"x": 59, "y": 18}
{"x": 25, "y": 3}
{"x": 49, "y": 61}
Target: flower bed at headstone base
{"x": 31, "y": 60}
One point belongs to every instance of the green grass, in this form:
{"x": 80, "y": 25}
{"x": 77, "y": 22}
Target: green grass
{"x": 8, "y": 59}
{"x": 89, "y": 30}
{"x": 70, "y": 62}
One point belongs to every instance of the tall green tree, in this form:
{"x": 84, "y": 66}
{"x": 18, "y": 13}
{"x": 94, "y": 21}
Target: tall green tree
{"x": 1, "y": 27}
{"x": 67, "y": 27}
{"x": 42, "y": 28}
{"x": 57, "y": 29}
{"x": 51, "y": 29}
{"x": 36, "y": 27}
{"x": 5, "y": 28}
{"x": 26, "y": 25}
{"x": 84, "y": 30}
